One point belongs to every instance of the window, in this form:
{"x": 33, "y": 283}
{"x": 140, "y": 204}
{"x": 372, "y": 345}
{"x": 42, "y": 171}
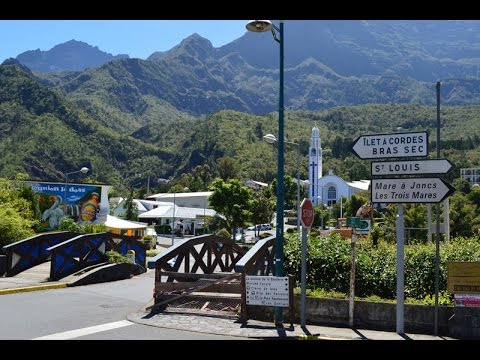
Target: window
{"x": 332, "y": 193}
{"x": 314, "y": 152}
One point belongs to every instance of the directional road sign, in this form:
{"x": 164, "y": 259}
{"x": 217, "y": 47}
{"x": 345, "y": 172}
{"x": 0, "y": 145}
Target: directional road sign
{"x": 416, "y": 190}
{"x": 411, "y": 167}
{"x": 395, "y": 145}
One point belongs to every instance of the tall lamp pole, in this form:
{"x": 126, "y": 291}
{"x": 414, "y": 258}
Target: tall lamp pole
{"x": 271, "y": 139}
{"x": 262, "y": 26}
{"x": 83, "y": 170}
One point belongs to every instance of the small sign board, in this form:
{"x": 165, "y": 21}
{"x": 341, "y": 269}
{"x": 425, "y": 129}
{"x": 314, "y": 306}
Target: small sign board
{"x": 406, "y": 190}
{"x": 411, "y": 167}
{"x": 363, "y": 228}
{"x": 463, "y": 277}
{"x": 379, "y": 146}
{"x": 467, "y": 300}
{"x": 267, "y": 290}
{"x": 353, "y": 222}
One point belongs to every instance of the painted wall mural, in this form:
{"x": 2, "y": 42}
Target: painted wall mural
{"x": 83, "y": 203}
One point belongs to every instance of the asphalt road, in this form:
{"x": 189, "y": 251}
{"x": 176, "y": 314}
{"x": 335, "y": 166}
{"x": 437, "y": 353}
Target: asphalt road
{"x": 82, "y": 312}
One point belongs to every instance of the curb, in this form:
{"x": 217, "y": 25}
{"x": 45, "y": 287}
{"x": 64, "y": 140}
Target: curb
{"x": 32, "y": 288}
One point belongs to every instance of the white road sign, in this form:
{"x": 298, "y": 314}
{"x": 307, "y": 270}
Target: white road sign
{"x": 267, "y": 290}
{"x": 411, "y": 167}
{"x": 418, "y": 190}
{"x": 395, "y": 145}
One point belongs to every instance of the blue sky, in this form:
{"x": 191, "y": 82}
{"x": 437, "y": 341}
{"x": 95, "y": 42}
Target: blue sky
{"x": 137, "y": 38}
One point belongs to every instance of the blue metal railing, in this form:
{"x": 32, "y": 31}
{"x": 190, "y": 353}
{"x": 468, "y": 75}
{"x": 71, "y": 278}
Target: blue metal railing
{"x": 26, "y": 253}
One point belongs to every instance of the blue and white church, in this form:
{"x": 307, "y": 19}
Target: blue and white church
{"x": 329, "y": 188}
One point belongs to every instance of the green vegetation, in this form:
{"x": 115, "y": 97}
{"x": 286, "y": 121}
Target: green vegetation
{"x": 115, "y": 258}
{"x": 68, "y": 224}
{"x": 152, "y": 252}
{"x": 17, "y": 219}
{"x": 232, "y": 200}
{"x": 328, "y": 266}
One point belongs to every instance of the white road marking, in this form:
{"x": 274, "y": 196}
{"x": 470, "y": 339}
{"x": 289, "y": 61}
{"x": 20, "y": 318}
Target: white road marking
{"x": 85, "y": 331}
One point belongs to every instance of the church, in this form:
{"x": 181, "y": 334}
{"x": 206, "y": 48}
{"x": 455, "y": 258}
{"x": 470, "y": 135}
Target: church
{"x": 329, "y": 188}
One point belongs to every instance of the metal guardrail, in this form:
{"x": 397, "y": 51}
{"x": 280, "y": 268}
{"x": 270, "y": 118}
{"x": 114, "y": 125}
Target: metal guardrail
{"x": 27, "y": 253}
{"x": 86, "y": 250}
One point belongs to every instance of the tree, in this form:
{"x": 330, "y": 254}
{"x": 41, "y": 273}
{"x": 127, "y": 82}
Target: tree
{"x": 461, "y": 185}
{"x": 16, "y": 213}
{"x": 263, "y": 206}
{"x": 354, "y": 203}
{"x": 464, "y": 218}
{"x": 232, "y": 200}
{"x": 131, "y": 210}
{"x": 227, "y": 168}
{"x": 289, "y": 190}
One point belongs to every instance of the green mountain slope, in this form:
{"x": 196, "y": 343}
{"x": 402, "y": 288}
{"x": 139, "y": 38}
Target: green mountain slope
{"x": 45, "y": 135}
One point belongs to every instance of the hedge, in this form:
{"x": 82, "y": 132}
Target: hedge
{"x": 328, "y": 265}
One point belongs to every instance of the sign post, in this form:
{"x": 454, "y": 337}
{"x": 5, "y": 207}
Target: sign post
{"x": 351, "y": 299}
{"x": 307, "y": 221}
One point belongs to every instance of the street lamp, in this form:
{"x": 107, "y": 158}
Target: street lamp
{"x": 262, "y": 26}
{"x": 271, "y": 139}
{"x": 83, "y": 170}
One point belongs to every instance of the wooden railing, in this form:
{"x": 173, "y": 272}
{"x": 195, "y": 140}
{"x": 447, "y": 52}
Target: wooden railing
{"x": 86, "y": 250}
{"x": 259, "y": 260}
{"x": 201, "y": 263}
{"x": 26, "y": 253}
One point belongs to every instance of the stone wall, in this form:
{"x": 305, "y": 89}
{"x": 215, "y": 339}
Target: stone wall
{"x": 367, "y": 315}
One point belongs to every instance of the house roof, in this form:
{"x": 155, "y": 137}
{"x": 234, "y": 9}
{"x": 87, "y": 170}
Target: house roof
{"x": 180, "y": 212}
{"x": 117, "y": 223}
{"x": 181, "y": 195}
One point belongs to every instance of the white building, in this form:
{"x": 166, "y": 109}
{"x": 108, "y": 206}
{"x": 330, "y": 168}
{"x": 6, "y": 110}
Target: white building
{"x": 472, "y": 175}
{"x": 329, "y": 188}
{"x": 186, "y": 210}
{"x": 189, "y": 199}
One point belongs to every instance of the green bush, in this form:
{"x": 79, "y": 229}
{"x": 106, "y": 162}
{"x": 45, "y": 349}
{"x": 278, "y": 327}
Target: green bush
{"x": 163, "y": 229}
{"x": 328, "y": 265}
{"x": 290, "y": 230}
{"x": 153, "y": 252}
{"x": 224, "y": 233}
{"x": 115, "y": 257}
{"x": 264, "y": 235}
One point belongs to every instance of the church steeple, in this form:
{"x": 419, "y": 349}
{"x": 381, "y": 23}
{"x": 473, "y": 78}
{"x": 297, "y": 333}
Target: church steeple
{"x": 315, "y": 165}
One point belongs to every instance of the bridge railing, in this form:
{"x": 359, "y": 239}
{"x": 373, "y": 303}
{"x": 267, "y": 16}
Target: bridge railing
{"x": 86, "y": 250}
{"x": 201, "y": 263}
{"x": 26, "y": 253}
{"x": 259, "y": 260}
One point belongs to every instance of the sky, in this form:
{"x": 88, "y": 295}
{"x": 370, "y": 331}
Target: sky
{"x": 137, "y": 38}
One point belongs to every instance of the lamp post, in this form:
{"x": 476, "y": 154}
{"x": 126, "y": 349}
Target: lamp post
{"x": 83, "y": 170}
{"x": 262, "y": 26}
{"x": 271, "y": 139}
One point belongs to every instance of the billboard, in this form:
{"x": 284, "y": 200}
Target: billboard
{"x": 84, "y": 203}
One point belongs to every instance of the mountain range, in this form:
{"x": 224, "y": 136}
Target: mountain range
{"x": 70, "y": 56}
{"x": 163, "y": 105}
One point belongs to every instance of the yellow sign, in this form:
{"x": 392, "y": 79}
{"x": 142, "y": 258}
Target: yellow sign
{"x": 463, "y": 277}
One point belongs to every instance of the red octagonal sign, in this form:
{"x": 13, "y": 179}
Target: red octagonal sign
{"x": 307, "y": 213}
